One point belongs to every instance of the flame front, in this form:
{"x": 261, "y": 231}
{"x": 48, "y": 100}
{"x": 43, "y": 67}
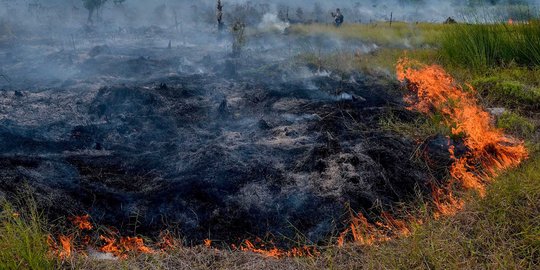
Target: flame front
{"x": 489, "y": 150}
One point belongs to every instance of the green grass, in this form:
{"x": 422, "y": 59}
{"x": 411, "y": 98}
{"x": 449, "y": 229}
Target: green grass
{"x": 23, "y": 242}
{"x": 516, "y": 124}
{"x": 481, "y": 46}
{"x": 509, "y": 93}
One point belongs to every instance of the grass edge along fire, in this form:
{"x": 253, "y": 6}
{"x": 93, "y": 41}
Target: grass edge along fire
{"x": 430, "y": 90}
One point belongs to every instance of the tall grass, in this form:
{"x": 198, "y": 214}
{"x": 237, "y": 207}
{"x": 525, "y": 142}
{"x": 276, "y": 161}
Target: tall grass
{"x": 23, "y": 242}
{"x": 480, "y": 46}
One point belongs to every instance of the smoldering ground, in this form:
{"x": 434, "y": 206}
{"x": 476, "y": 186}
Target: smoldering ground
{"x": 154, "y": 124}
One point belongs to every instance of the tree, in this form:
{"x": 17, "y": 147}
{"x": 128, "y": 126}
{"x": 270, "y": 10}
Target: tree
{"x": 300, "y": 14}
{"x": 92, "y": 6}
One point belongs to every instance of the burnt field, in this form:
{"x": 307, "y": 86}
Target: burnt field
{"x": 145, "y": 136}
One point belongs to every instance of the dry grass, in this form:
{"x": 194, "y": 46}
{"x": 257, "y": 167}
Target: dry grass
{"x": 400, "y": 34}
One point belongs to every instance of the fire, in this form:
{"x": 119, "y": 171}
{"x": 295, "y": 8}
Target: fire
{"x": 82, "y": 222}
{"x": 135, "y": 244}
{"x": 125, "y": 245}
{"x": 364, "y": 232}
{"x": 110, "y": 246}
{"x": 274, "y": 252}
{"x": 62, "y": 251}
{"x": 489, "y": 149}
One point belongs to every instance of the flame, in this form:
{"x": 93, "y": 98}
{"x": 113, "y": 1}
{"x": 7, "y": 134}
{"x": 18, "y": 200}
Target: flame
{"x": 364, "y": 232}
{"x": 207, "y": 243}
{"x": 82, "y": 222}
{"x": 167, "y": 242}
{"x": 125, "y": 245}
{"x": 274, "y": 252}
{"x": 489, "y": 149}
{"x": 62, "y": 251}
{"x": 135, "y": 244}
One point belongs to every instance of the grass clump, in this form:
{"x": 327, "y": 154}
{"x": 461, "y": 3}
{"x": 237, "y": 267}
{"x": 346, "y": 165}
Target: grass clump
{"x": 23, "y": 242}
{"x": 508, "y": 93}
{"x": 481, "y": 46}
{"x": 516, "y": 124}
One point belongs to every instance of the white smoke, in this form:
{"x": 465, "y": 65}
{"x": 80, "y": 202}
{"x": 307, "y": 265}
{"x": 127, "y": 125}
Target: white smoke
{"x": 271, "y": 21}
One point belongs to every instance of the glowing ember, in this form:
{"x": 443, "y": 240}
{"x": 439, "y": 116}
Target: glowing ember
{"x": 82, "y": 222}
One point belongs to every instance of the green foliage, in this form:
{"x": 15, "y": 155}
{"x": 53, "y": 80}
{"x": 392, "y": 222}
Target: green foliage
{"x": 23, "y": 242}
{"x": 507, "y": 93}
{"x": 517, "y": 124}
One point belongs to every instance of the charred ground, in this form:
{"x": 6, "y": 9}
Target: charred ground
{"x": 146, "y": 138}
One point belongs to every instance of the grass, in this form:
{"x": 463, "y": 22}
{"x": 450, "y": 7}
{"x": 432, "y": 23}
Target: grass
{"x": 516, "y": 124}
{"x": 501, "y": 231}
{"x": 23, "y": 242}
{"x": 480, "y": 46}
{"x": 509, "y": 93}
{"x": 400, "y": 34}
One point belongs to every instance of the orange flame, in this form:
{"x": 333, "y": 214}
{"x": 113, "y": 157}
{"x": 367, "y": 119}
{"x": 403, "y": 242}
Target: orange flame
{"x": 489, "y": 149}
{"x": 125, "y": 245}
{"x": 207, "y": 243}
{"x": 135, "y": 244}
{"x": 273, "y": 252}
{"x": 62, "y": 251}
{"x": 82, "y": 222}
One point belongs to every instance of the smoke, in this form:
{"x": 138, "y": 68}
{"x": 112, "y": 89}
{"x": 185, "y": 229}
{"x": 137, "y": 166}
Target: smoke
{"x": 272, "y": 22}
